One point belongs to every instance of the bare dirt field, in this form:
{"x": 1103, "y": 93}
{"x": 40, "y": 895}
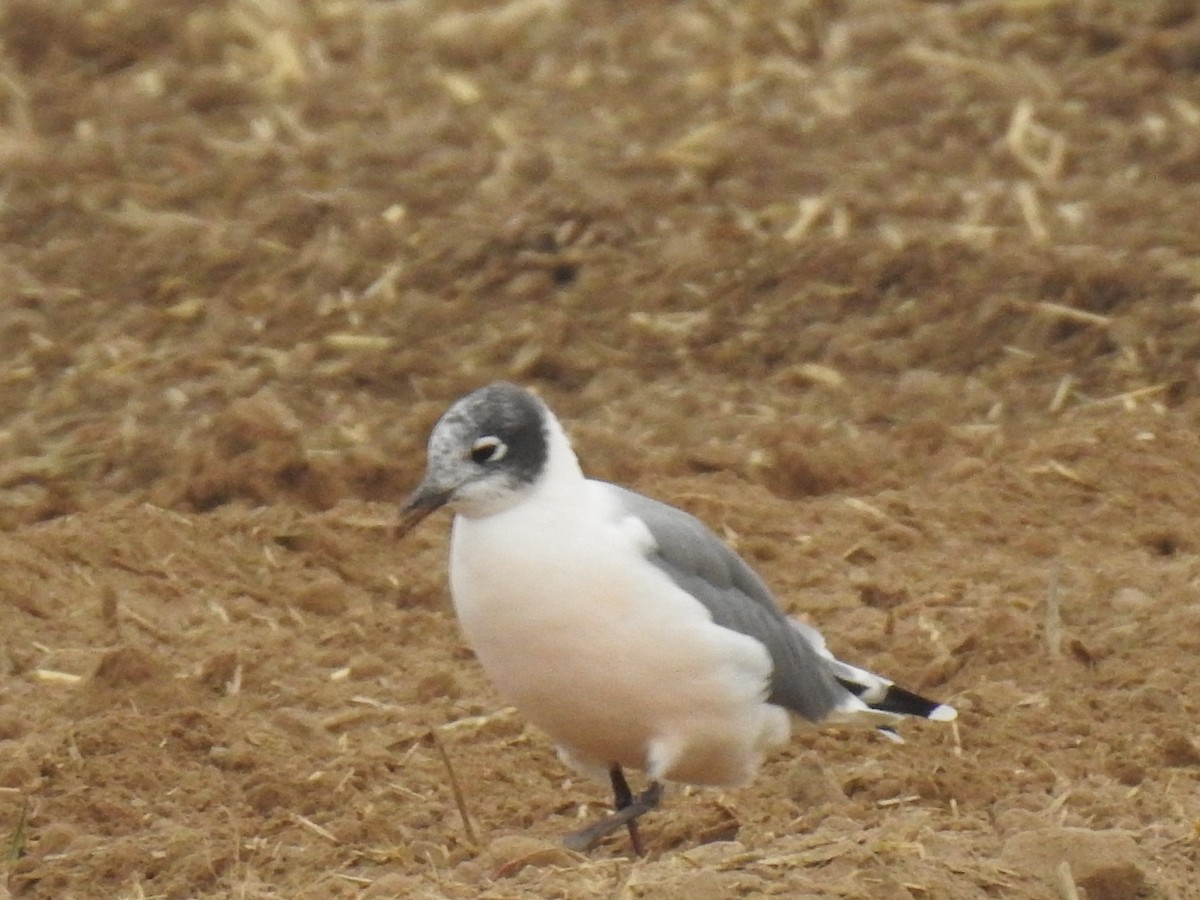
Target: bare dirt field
{"x": 902, "y": 298}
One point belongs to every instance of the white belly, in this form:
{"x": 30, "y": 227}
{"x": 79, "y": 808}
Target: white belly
{"x": 604, "y": 653}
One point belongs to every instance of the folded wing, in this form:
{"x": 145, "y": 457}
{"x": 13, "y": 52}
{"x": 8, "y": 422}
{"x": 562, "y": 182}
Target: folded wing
{"x": 807, "y": 678}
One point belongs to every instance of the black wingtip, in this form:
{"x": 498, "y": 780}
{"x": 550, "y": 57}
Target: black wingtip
{"x": 906, "y": 703}
{"x": 901, "y": 702}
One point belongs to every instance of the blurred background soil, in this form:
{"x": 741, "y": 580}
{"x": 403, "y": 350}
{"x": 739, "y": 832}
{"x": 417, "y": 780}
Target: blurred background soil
{"x": 902, "y": 298}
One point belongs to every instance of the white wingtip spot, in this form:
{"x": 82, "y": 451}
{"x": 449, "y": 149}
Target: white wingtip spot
{"x": 943, "y": 713}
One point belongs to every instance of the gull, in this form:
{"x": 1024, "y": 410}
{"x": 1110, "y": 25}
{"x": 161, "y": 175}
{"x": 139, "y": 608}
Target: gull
{"x": 623, "y": 627}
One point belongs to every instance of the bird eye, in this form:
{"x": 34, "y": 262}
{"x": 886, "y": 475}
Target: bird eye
{"x": 488, "y": 449}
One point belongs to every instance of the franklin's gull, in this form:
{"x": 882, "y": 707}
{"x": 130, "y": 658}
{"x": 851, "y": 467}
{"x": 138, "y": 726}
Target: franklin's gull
{"x": 621, "y": 626}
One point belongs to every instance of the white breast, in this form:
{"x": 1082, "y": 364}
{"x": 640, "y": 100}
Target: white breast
{"x": 601, "y": 649}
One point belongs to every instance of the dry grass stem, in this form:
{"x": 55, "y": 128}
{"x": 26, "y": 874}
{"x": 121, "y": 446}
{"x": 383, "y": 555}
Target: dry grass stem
{"x": 53, "y": 676}
{"x": 1053, "y": 626}
{"x": 1031, "y": 211}
{"x": 1035, "y": 147}
{"x": 455, "y": 787}
{"x": 1061, "y": 311}
{"x": 897, "y": 801}
{"x": 808, "y": 211}
{"x": 879, "y": 515}
{"x": 1054, "y": 467}
{"x": 358, "y": 343}
{"x": 1066, "y": 881}
{"x": 1061, "y": 393}
{"x": 16, "y": 842}
{"x": 476, "y": 722}
{"x": 825, "y": 376}
{"x": 1187, "y": 111}
{"x": 1128, "y": 399}
{"x": 315, "y": 828}
{"x": 145, "y": 624}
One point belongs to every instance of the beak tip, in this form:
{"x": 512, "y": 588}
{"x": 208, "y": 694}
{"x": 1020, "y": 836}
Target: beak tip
{"x": 407, "y": 521}
{"x": 417, "y": 507}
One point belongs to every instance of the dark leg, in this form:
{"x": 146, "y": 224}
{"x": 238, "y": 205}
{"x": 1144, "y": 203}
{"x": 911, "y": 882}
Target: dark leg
{"x": 623, "y": 799}
{"x": 628, "y": 807}
{"x": 622, "y": 795}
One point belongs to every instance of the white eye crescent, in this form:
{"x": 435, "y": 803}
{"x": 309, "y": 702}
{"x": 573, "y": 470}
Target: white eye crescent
{"x": 488, "y": 450}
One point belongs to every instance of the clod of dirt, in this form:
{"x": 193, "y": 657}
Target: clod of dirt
{"x": 879, "y": 597}
{"x": 269, "y": 796}
{"x": 127, "y": 666}
{"x": 12, "y": 724}
{"x": 1179, "y": 750}
{"x": 56, "y": 838}
{"x": 1105, "y": 863}
{"x": 221, "y": 672}
{"x": 436, "y": 685}
{"x": 810, "y": 785}
{"x": 324, "y": 595}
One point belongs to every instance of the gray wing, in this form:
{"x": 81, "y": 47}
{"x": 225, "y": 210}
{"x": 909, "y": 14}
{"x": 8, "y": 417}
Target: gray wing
{"x": 704, "y": 566}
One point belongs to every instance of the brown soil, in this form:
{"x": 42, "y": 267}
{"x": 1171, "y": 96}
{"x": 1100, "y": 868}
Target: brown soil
{"x": 902, "y": 298}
